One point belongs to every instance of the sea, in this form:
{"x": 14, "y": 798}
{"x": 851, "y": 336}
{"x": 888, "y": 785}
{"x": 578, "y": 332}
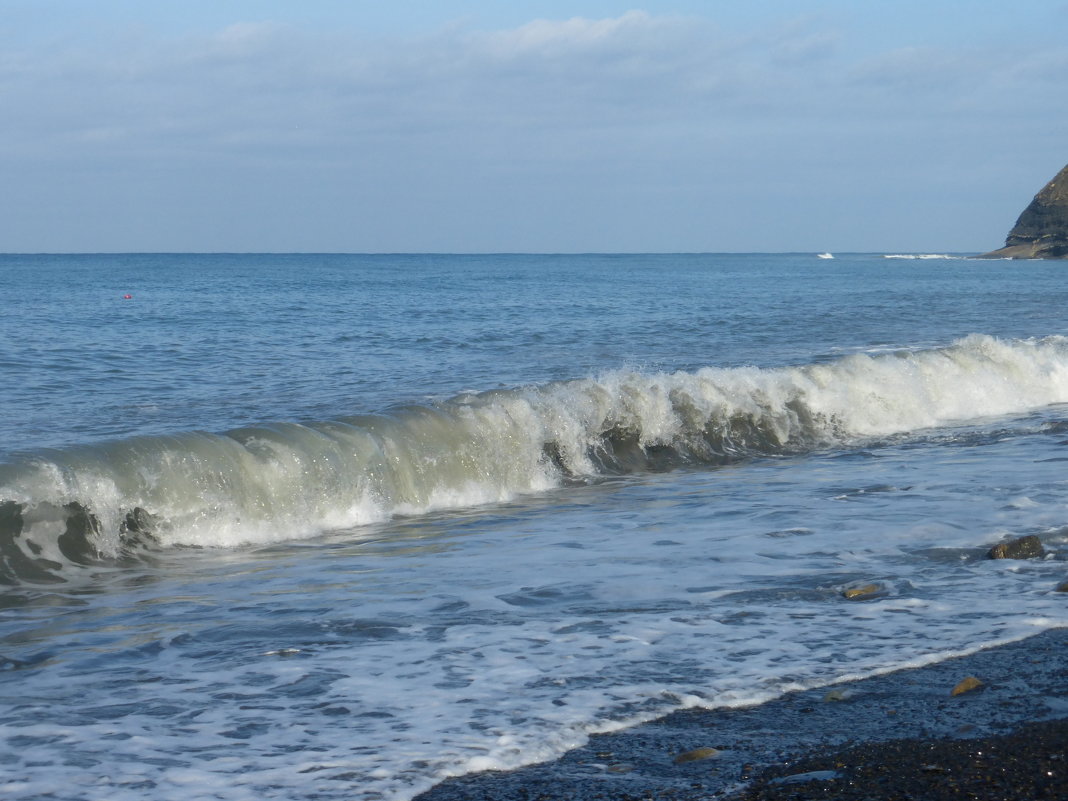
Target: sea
{"x": 343, "y": 526}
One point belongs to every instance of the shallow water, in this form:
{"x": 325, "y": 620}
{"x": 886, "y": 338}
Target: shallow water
{"x": 664, "y": 474}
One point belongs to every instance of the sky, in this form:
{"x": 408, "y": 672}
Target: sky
{"x": 514, "y": 126}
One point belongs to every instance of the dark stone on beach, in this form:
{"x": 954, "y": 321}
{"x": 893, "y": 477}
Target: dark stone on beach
{"x": 1031, "y": 763}
{"x": 696, "y": 755}
{"x": 1041, "y": 232}
{"x": 1029, "y": 547}
{"x": 966, "y": 685}
{"x": 1062, "y": 587}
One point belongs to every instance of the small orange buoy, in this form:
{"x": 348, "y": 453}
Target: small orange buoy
{"x": 127, "y": 297}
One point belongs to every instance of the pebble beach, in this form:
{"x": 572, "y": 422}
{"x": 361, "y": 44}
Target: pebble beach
{"x": 902, "y": 735}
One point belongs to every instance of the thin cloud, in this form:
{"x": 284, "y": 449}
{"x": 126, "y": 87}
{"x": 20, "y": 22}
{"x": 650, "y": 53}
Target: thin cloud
{"x": 255, "y": 81}
{"x": 634, "y": 106}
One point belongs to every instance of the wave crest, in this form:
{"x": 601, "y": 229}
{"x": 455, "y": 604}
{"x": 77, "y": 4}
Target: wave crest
{"x": 108, "y": 503}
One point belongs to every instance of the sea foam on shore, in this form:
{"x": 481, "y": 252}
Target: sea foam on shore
{"x": 903, "y": 731}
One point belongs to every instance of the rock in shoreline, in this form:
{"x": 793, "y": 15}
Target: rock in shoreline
{"x": 1041, "y": 232}
{"x": 863, "y": 592}
{"x": 1029, "y": 547}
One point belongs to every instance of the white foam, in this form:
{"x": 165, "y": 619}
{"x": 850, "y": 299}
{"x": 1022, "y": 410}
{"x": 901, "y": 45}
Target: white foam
{"x": 501, "y": 639}
{"x": 920, "y": 256}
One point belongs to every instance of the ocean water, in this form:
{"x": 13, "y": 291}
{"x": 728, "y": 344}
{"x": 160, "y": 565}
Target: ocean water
{"x": 295, "y": 527}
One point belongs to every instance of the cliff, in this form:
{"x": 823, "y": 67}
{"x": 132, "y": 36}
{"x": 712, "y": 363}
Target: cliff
{"x": 1042, "y": 230}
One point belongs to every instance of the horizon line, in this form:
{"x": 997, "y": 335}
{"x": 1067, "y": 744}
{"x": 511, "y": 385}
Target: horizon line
{"x": 470, "y": 253}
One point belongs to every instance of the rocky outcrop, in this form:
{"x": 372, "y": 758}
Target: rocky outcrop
{"x": 1042, "y": 230}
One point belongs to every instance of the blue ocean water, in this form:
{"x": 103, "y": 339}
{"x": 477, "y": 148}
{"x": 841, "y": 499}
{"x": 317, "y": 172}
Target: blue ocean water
{"x": 310, "y": 526}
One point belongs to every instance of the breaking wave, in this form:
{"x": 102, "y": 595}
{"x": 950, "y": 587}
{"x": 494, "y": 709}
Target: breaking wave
{"x": 921, "y": 256}
{"x": 109, "y": 503}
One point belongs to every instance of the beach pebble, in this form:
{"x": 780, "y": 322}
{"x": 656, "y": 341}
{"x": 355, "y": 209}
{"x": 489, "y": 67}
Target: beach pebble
{"x": 862, "y": 591}
{"x": 696, "y": 755}
{"x": 966, "y": 685}
{"x": 1062, "y": 587}
{"x": 811, "y": 776}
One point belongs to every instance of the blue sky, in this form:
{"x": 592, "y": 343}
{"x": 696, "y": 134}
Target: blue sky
{"x": 769, "y": 125}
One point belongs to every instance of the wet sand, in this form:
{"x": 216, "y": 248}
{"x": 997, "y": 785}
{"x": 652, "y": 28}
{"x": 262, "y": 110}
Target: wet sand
{"x": 898, "y": 736}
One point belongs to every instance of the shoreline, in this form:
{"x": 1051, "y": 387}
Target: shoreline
{"x": 895, "y": 736}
